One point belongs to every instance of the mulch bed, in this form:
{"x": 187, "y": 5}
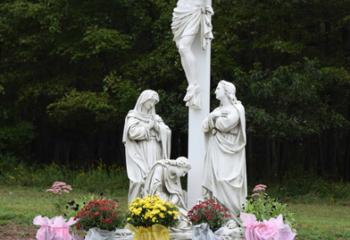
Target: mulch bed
{"x": 17, "y": 232}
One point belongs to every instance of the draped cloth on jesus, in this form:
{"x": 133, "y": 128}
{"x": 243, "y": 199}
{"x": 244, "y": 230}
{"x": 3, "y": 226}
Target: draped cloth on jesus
{"x": 189, "y": 18}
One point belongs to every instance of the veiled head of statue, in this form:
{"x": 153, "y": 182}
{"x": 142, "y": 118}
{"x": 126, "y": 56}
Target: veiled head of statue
{"x": 146, "y": 102}
{"x": 228, "y": 89}
{"x": 183, "y": 162}
{"x": 179, "y": 166}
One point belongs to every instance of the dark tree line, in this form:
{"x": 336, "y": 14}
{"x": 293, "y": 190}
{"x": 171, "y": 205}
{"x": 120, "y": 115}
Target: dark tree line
{"x": 71, "y": 69}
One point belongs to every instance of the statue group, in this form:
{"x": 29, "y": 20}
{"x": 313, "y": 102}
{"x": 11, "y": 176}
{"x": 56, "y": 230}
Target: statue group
{"x": 147, "y": 138}
{"x": 152, "y": 172}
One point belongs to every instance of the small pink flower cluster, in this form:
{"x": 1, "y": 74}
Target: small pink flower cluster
{"x": 59, "y": 188}
{"x": 272, "y": 229}
{"x": 259, "y": 189}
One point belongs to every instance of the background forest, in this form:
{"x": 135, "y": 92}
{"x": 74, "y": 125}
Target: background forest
{"x": 71, "y": 69}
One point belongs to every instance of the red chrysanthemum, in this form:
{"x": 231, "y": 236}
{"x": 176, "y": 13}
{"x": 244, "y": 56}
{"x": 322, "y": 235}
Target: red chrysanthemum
{"x": 211, "y": 212}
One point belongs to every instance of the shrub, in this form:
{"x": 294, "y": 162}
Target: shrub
{"x": 265, "y": 207}
{"x": 109, "y": 179}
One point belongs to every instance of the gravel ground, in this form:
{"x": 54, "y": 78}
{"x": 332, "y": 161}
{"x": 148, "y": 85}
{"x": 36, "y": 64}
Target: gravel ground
{"x": 17, "y": 232}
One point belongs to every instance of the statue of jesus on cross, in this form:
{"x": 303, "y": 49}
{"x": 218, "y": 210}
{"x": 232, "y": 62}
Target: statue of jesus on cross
{"x": 191, "y": 17}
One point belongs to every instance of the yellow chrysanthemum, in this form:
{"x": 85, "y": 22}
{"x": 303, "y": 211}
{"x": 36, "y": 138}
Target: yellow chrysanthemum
{"x": 137, "y": 211}
{"x": 162, "y": 208}
{"x": 152, "y": 208}
{"x": 155, "y": 211}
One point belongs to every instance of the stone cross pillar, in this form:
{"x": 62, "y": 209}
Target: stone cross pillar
{"x": 192, "y": 28}
{"x": 196, "y": 138}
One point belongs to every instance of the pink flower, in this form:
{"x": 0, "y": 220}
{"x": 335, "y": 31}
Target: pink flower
{"x": 273, "y": 229}
{"x": 259, "y": 188}
{"x": 59, "y": 188}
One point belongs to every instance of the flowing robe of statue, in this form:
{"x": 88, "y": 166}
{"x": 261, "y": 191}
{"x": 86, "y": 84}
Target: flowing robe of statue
{"x": 164, "y": 181}
{"x": 143, "y": 146}
{"x": 191, "y": 17}
{"x": 225, "y": 176}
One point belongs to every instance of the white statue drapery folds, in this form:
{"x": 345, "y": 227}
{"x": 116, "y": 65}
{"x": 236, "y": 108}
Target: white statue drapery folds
{"x": 191, "y": 17}
{"x": 146, "y": 138}
{"x": 164, "y": 180}
{"x": 225, "y": 177}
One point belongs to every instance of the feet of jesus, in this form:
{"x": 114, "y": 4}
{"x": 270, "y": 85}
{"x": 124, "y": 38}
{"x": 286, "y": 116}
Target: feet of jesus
{"x": 192, "y": 97}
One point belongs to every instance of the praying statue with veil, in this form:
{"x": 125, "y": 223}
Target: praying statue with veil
{"x": 146, "y": 138}
{"x": 225, "y": 177}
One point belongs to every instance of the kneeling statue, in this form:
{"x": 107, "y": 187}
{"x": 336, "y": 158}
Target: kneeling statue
{"x": 164, "y": 180}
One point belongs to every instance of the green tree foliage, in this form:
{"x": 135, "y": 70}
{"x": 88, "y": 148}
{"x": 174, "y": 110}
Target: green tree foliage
{"x": 77, "y": 108}
{"x": 71, "y": 69}
{"x": 292, "y": 101}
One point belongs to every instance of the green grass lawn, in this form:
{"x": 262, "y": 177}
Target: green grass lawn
{"x": 19, "y": 205}
{"x": 322, "y": 221}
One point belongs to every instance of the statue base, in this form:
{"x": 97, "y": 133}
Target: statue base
{"x": 221, "y": 234}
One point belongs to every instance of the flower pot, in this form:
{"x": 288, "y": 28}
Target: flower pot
{"x": 155, "y": 232}
{"x": 99, "y": 234}
{"x": 56, "y": 228}
{"x": 203, "y": 231}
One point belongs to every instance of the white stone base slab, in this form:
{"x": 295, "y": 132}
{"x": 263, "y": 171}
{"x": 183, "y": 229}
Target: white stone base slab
{"x": 125, "y": 234}
{"x": 180, "y": 236}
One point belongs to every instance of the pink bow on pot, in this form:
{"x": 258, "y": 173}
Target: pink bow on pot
{"x": 56, "y": 228}
{"x": 272, "y": 229}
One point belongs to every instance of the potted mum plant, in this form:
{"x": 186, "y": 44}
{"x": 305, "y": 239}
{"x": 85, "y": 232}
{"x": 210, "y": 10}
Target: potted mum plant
{"x": 210, "y": 212}
{"x": 264, "y": 217}
{"x": 100, "y": 218}
{"x": 149, "y": 218}
{"x": 58, "y": 227}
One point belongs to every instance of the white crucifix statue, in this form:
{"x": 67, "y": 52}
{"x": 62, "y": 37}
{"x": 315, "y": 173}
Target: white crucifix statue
{"x": 192, "y": 31}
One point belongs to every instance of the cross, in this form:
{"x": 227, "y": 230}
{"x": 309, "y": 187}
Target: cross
{"x": 192, "y": 33}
